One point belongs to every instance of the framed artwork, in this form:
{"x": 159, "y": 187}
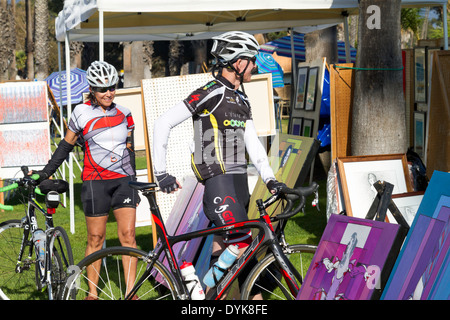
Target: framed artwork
{"x": 353, "y": 260}
{"x": 420, "y": 75}
{"x": 297, "y": 126}
{"x": 311, "y": 89}
{"x": 301, "y": 88}
{"x": 419, "y": 133}
{"x": 307, "y": 129}
{"x": 407, "y": 204}
{"x": 357, "y": 174}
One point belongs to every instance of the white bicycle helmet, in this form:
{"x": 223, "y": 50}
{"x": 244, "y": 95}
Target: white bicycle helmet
{"x": 232, "y": 45}
{"x": 101, "y": 74}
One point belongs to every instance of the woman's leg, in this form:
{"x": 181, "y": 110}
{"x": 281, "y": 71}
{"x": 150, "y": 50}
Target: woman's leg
{"x": 126, "y": 222}
{"x": 96, "y": 230}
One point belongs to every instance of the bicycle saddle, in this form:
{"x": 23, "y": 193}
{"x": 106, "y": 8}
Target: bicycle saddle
{"x": 142, "y": 185}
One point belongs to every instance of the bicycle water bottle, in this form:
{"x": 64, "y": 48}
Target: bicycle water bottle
{"x": 192, "y": 281}
{"x": 226, "y": 259}
{"x": 39, "y": 243}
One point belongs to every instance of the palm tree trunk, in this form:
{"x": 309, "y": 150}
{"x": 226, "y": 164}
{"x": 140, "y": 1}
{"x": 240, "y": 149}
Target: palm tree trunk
{"x": 41, "y": 37}
{"x": 379, "y": 125}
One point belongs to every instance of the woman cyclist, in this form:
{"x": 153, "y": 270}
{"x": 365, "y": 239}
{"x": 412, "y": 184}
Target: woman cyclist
{"x": 107, "y": 131}
{"x": 223, "y": 133}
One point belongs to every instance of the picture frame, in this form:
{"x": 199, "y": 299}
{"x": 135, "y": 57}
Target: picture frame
{"x": 308, "y": 127}
{"x": 300, "y": 94}
{"x": 408, "y": 204}
{"x": 297, "y": 126}
{"x": 357, "y": 174}
{"x": 311, "y": 91}
{"x": 419, "y": 133}
{"x": 420, "y": 75}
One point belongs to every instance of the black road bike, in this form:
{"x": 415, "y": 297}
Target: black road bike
{"x": 34, "y": 260}
{"x": 128, "y": 273}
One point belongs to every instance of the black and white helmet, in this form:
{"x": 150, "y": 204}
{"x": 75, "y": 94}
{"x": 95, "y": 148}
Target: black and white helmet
{"x": 230, "y": 46}
{"x": 101, "y": 74}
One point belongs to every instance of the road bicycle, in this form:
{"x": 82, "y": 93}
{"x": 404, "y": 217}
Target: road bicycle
{"x": 158, "y": 273}
{"x": 33, "y": 259}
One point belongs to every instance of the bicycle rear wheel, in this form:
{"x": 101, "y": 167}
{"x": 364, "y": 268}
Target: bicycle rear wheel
{"x": 266, "y": 278}
{"x": 17, "y": 280}
{"x": 112, "y": 268}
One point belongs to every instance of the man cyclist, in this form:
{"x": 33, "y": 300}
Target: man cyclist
{"x": 223, "y": 133}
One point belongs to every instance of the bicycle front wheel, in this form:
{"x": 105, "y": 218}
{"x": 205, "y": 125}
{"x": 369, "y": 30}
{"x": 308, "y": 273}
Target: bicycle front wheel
{"x": 61, "y": 260}
{"x": 17, "y": 278}
{"x": 110, "y": 274}
{"x": 266, "y": 278}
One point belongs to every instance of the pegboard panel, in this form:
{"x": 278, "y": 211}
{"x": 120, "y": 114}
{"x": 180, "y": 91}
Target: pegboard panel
{"x": 159, "y": 95}
{"x": 341, "y": 96}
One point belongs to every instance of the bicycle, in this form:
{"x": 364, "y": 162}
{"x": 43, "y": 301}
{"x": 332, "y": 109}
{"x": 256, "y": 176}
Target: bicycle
{"x": 154, "y": 280}
{"x": 28, "y": 266}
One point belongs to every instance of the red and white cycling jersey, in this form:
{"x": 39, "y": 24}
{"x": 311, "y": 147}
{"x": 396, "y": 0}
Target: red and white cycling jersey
{"x": 104, "y": 133}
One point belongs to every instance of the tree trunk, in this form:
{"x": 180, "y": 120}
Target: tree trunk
{"x": 41, "y": 39}
{"x": 379, "y": 125}
{"x": 12, "y": 66}
{"x": 7, "y": 40}
{"x": 29, "y": 41}
{"x": 175, "y": 57}
{"x": 321, "y": 43}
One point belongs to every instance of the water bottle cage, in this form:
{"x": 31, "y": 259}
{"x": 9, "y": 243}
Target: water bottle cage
{"x": 214, "y": 274}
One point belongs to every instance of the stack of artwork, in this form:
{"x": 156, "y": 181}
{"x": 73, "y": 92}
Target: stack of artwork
{"x": 360, "y": 259}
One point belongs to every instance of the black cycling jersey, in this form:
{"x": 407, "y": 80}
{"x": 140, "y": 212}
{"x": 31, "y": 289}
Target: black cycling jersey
{"x": 219, "y": 113}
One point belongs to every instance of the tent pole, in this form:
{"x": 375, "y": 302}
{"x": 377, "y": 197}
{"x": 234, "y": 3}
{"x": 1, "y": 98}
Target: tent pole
{"x": 100, "y": 35}
{"x": 61, "y": 116}
{"x": 444, "y": 9}
{"x": 69, "y": 112}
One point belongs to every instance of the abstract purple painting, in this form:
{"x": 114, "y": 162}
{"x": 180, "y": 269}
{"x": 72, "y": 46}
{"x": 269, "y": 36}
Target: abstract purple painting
{"x": 352, "y": 259}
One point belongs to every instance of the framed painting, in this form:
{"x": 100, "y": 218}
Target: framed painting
{"x": 419, "y": 133}
{"x": 297, "y": 126}
{"x": 301, "y": 88}
{"x": 311, "y": 89}
{"x": 353, "y": 260}
{"x": 357, "y": 174}
{"x": 420, "y": 75}
{"x": 307, "y": 129}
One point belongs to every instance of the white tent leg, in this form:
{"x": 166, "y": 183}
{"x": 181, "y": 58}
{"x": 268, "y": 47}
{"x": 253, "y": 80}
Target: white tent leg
{"x": 101, "y": 36}
{"x": 69, "y": 112}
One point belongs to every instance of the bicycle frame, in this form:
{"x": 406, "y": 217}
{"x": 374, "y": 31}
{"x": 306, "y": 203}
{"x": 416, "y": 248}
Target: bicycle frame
{"x": 266, "y": 238}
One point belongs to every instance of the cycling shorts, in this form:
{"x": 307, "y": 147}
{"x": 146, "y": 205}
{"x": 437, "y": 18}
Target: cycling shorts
{"x": 225, "y": 200}
{"x": 100, "y": 196}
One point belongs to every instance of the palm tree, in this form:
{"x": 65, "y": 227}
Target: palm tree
{"x": 41, "y": 39}
{"x": 7, "y": 39}
{"x": 379, "y": 122}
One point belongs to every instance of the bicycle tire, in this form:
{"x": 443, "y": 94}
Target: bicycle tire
{"x": 16, "y": 285}
{"x": 61, "y": 260}
{"x": 266, "y": 279}
{"x": 160, "y": 285}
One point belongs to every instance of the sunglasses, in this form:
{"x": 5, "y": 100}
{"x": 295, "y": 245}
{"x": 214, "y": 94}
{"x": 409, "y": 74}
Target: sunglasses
{"x": 104, "y": 89}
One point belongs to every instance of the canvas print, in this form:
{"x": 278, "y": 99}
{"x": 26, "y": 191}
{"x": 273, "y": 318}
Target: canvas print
{"x": 301, "y": 88}
{"x": 422, "y": 259}
{"x": 407, "y": 204}
{"x": 312, "y": 88}
{"x": 296, "y": 126}
{"x": 307, "y": 129}
{"x": 352, "y": 260}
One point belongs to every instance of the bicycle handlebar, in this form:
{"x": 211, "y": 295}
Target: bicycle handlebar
{"x": 20, "y": 182}
{"x": 291, "y": 196}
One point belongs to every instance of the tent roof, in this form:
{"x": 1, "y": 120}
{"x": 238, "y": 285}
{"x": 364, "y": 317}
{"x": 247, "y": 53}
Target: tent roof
{"x": 189, "y": 20}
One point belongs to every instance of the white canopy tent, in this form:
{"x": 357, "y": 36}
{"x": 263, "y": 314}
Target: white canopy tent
{"x": 132, "y": 20}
